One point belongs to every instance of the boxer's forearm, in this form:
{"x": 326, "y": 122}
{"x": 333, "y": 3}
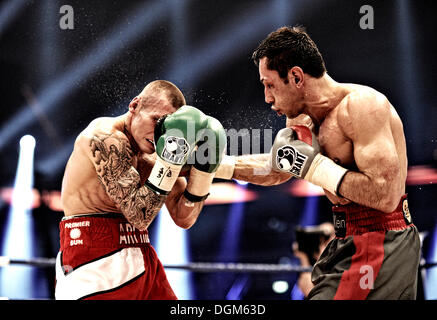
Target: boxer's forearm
{"x": 256, "y": 169}
{"x": 141, "y": 206}
{"x": 379, "y": 193}
{"x": 185, "y": 213}
{"x": 112, "y": 157}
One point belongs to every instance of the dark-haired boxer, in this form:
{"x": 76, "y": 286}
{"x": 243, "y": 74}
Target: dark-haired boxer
{"x": 114, "y": 185}
{"x": 349, "y": 140}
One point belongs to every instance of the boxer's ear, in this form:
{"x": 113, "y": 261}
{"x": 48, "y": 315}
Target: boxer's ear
{"x": 296, "y": 76}
{"x": 134, "y": 104}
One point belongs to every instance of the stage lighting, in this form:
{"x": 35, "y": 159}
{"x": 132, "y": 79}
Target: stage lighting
{"x": 27, "y": 143}
{"x": 144, "y": 17}
{"x": 242, "y": 183}
{"x": 172, "y": 248}
{"x": 280, "y": 286}
{"x": 431, "y": 273}
{"x": 17, "y": 281}
{"x": 223, "y": 45}
{"x": 8, "y": 11}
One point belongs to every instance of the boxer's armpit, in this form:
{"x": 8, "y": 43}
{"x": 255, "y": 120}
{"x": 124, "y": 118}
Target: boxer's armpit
{"x": 112, "y": 157}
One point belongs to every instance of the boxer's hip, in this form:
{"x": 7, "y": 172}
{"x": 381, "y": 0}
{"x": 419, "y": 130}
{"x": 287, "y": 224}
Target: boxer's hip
{"x": 103, "y": 256}
{"x": 355, "y": 219}
{"x": 371, "y": 248}
{"x": 86, "y": 237}
{"x": 100, "y": 230}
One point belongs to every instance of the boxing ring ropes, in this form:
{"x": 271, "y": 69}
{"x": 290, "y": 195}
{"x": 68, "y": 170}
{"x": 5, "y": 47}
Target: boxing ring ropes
{"x": 215, "y": 267}
{"x": 196, "y": 266}
{"x": 192, "y": 266}
{"x": 201, "y": 267}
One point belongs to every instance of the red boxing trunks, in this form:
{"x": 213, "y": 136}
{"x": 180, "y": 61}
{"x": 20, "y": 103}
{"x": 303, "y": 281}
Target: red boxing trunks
{"x": 375, "y": 255}
{"x": 102, "y": 256}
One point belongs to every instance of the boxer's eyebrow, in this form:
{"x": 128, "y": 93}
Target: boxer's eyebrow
{"x": 261, "y": 80}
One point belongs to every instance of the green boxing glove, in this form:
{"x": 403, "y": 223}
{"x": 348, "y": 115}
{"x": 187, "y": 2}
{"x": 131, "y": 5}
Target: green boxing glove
{"x": 211, "y": 146}
{"x": 176, "y": 136}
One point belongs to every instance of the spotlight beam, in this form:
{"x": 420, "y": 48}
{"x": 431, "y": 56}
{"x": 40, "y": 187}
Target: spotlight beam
{"x": 121, "y": 36}
{"x": 18, "y": 238}
{"x": 172, "y": 248}
{"x": 409, "y": 69}
{"x": 8, "y": 11}
{"x": 223, "y": 46}
{"x": 220, "y": 48}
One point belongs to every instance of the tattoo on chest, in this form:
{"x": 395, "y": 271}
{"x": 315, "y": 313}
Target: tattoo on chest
{"x": 113, "y": 158}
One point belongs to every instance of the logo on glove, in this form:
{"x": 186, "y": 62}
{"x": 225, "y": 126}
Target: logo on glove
{"x": 290, "y": 160}
{"x": 175, "y": 150}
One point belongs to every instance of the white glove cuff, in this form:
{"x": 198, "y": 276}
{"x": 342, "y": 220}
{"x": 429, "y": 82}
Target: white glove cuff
{"x": 226, "y": 168}
{"x": 199, "y": 182}
{"x": 164, "y": 174}
{"x": 325, "y": 173}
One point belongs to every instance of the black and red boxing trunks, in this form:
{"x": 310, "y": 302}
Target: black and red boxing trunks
{"x": 375, "y": 255}
{"x": 102, "y": 256}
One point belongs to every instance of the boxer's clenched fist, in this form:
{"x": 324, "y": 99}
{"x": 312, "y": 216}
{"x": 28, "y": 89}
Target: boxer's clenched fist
{"x": 211, "y": 146}
{"x": 297, "y": 151}
{"x": 175, "y": 139}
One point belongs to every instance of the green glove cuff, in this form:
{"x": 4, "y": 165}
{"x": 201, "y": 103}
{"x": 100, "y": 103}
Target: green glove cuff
{"x": 199, "y": 182}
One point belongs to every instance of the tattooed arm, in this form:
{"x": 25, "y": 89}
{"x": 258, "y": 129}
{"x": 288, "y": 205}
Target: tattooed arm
{"x": 182, "y": 214}
{"x": 112, "y": 157}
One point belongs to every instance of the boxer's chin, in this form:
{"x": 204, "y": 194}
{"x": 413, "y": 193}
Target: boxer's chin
{"x": 149, "y": 150}
{"x": 148, "y": 147}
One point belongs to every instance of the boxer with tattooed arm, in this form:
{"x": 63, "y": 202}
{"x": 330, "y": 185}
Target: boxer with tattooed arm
{"x": 114, "y": 185}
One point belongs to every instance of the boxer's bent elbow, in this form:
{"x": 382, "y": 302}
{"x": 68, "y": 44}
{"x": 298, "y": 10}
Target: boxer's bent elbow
{"x": 185, "y": 216}
{"x": 184, "y": 224}
{"x": 389, "y": 204}
{"x": 386, "y": 208}
{"x": 389, "y": 187}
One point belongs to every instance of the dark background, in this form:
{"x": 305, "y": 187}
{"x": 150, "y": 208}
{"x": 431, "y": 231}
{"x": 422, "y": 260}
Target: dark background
{"x": 54, "y": 82}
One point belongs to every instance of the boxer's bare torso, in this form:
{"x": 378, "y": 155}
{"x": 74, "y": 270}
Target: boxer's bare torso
{"x": 361, "y": 132}
{"x": 114, "y": 156}
{"x": 341, "y": 127}
{"x": 82, "y": 191}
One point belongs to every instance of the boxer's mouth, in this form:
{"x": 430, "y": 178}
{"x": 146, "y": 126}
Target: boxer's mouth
{"x": 274, "y": 108}
{"x": 151, "y": 142}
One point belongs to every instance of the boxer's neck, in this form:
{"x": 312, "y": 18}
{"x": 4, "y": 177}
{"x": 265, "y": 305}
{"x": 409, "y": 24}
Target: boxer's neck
{"x": 321, "y": 96}
{"x": 126, "y": 121}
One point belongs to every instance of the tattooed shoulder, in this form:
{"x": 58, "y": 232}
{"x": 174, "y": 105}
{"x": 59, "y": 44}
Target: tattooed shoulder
{"x": 112, "y": 157}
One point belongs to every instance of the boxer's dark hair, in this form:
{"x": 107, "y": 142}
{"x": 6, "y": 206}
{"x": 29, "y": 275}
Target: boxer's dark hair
{"x": 288, "y": 47}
